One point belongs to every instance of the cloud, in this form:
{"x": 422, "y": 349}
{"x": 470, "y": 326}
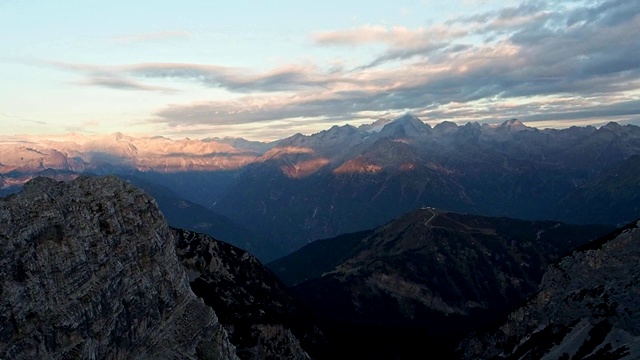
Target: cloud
{"x": 284, "y": 78}
{"x": 251, "y": 109}
{"x": 625, "y": 108}
{"x": 402, "y": 42}
{"x": 544, "y": 111}
{"x": 505, "y": 19}
{"x": 234, "y": 79}
{"x": 397, "y": 36}
{"x": 121, "y": 84}
{"x": 371, "y": 34}
{"x": 540, "y": 61}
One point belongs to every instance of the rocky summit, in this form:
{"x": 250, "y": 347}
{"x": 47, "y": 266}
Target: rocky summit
{"x": 89, "y": 270}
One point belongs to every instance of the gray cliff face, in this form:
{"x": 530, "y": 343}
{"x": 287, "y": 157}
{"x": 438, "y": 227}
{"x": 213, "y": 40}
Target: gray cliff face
{"x": 88, "y": 269}
{"x": 588, "y": 307}
{"x": 253, "y": 306}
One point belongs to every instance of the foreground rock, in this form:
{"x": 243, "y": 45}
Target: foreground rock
{"x": 89, "y": 270}
{"x": 254, "y": 307}
{"x": 588, "y": 307}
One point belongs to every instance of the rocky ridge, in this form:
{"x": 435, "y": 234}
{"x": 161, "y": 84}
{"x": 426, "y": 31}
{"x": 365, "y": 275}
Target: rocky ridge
{"x": 369, "y": 175}
{"x": 255, "y": 309}
{"x": 587, "y": 307}
{"x": 89, "y": 270}
{"x": 78, "y": 152}
{"x": 424, "y": 280}
{"x": 370, "y": 178}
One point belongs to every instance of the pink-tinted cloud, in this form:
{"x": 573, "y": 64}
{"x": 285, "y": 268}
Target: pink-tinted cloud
{"x": 576, "y": 62}
{"x": 284, "y": 78}
{"x": 402, "y": 42}
{"x": 398, "y": 36}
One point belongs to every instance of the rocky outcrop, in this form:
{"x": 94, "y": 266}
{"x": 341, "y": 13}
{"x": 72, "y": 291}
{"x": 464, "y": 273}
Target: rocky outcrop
{"x": 89, "y": 270}
{"x": 587, "y": 307}
{"x": 253, "y": 305}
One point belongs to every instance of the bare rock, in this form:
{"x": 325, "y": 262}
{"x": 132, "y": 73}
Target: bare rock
{"x": 587, "y": 307}
{"x": 89, "y": 270}
{"x": 261, "y": 318}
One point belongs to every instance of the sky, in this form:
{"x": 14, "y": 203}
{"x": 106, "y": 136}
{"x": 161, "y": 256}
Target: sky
{"x": 267, "y": 70}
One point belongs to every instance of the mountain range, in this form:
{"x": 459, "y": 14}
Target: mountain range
{"x": 347, "y": 179}
{"x": 344, "y": 180}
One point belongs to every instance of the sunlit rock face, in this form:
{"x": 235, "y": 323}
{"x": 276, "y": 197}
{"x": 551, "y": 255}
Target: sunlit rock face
{"x": 105, "y": 153}
{"x": 89, "y": 270}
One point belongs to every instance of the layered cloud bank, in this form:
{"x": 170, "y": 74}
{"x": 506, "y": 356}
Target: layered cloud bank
{"x": 541, "y": 61}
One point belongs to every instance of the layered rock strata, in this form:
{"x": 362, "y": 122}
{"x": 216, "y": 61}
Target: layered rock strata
{"x": 89, "y": 270}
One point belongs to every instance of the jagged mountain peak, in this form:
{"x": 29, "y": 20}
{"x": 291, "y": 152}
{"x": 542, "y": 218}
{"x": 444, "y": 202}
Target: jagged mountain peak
{"x": 118, "y": 136}
{"x": 612, "y": 125}
{"x": 348, "y": 129}
{"x": 514, "y": 125}
{"x": 619, "y": 130}
{"x": 294, "y": 139}
{"x": 512, "y": 122}
{"x": 376, "y": 126}
{"x": 408, "y": 118}
{"x": 446, "y": 124}
{"x": 445, "y": 127}
{"x": 507, "y": 127}
{"x": 327, "y": 143}
{"x": 407, "y": 125}
{"x": 471, "y": 127}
